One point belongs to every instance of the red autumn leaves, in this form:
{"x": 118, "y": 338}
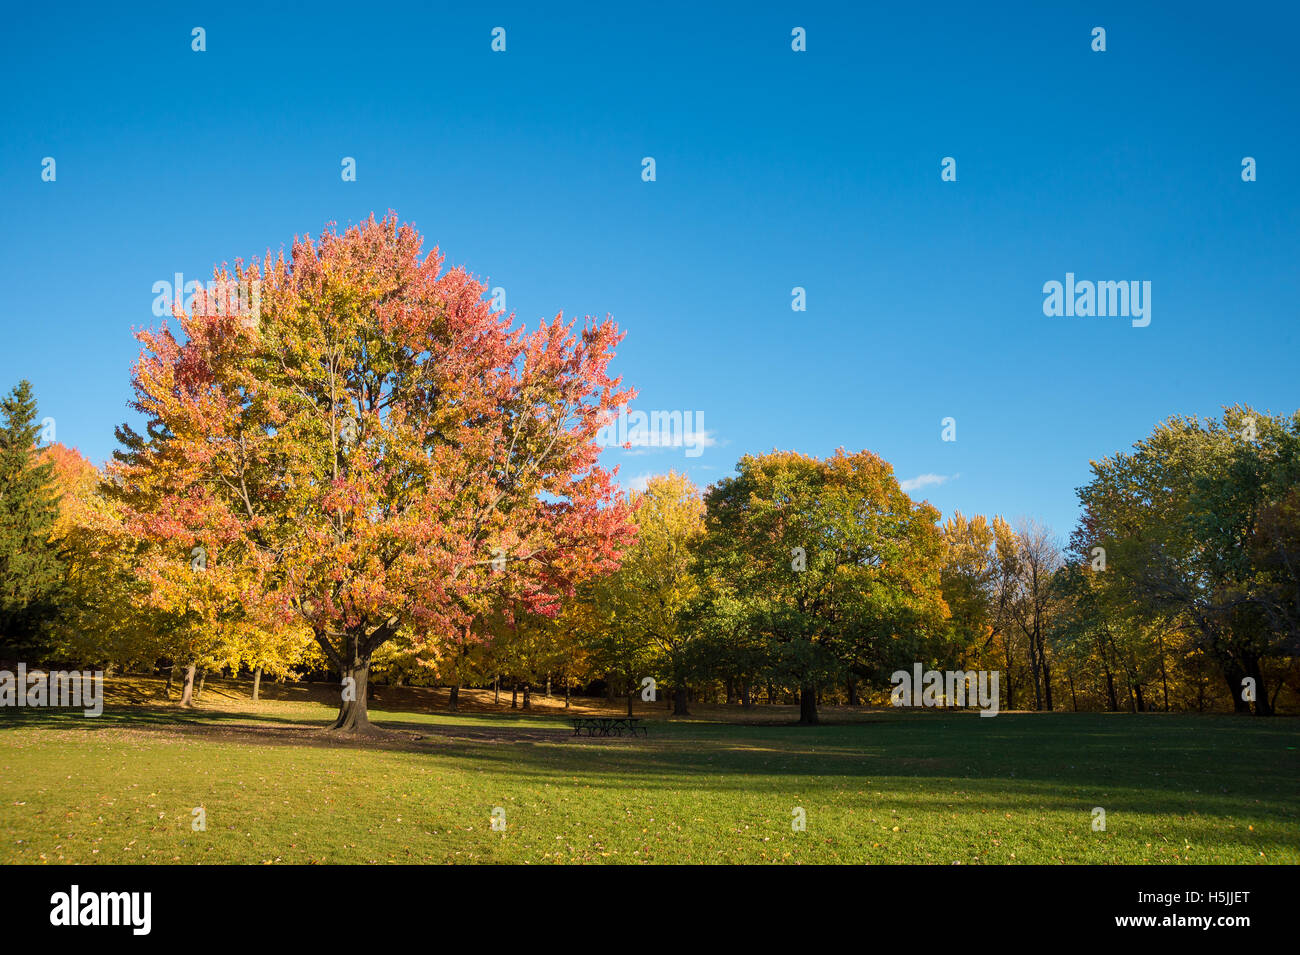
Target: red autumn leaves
{"x": 361, "y": 458}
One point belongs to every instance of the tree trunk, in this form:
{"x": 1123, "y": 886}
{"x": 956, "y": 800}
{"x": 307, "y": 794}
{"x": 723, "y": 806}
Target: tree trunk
{"x": 496, "y": 689}
{"x": 528, "y": 696}
{"x": 455, "y": 697}
{"x": 1263, "y": 706}
{"x": 171, "y": 672}
{"x": 187, "y": 691}
{"x": 745, "y": 701}
{"x": 1164, "y": 677}
{"x": 1232, "y": 675}
{"x": 1047, "y": 674}
{"x": 1037, "y": 676}
{"x": 203, "y": 681}
{"x": 257, "y": 683}
{"x": 679, "y": 702}
{"x": 853, "y": 692}
{"x": 514, "y": 697}
{"x": 1277, "y": 691}
{"x": 630, "y": 695}
{"x": 808, "y": 705}
{"x": 353, "y": 716}
{"x": 566, "y": 692}
{"x": 1111, "y": 697}
{"x": 548, "y": 686}
{"x": 1011, "y": 674}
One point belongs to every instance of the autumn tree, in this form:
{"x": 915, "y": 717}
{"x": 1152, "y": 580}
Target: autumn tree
{"x": 573, "y": 662}
{"x": 274, "y": 650}
{"x": 96, "y": 620}
{"x": 108, "y": 614}
{"x": 976, "y": 582}
{"x": 839, "y": 566}
{"x": 1111, "y": 650}
{"x": 1193, "y": 522}
{"x": 623, "y": 655}
{"x": 356, "y": 456}
{"x": 650, "y": 598}
{"x": 526, "y": 648}
{"x": 1033, "y": 601}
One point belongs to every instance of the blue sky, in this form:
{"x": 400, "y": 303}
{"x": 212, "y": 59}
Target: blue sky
{"x": 775, "y": 169}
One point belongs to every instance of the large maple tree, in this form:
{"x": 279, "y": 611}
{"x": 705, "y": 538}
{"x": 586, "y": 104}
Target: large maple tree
{"x": 372, "y": 453}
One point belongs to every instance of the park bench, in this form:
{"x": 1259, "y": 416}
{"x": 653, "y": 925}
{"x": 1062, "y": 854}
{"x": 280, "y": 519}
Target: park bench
{"x": 607, "y": 726}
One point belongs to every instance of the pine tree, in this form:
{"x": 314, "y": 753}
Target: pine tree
{"x": 30, "y": 567}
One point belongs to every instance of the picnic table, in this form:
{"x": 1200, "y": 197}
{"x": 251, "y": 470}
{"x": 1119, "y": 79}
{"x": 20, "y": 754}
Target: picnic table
{"x": 607, "y": 726}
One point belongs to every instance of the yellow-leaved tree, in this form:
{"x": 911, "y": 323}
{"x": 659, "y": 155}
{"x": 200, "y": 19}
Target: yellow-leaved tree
{"x": 649, "y": 600}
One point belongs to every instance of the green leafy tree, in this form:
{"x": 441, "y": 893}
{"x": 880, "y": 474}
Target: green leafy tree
{"x": 838, "y": 566}
{"x": 1198, "y": 521}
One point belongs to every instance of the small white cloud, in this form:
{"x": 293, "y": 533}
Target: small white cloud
{"x": 639, "y": 483}
{"x": 926, "y": 480}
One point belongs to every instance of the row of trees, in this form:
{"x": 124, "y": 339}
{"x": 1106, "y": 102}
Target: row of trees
{"x": 377, "y": 474}
{"x": 1180, "y": 588}
{"x": 798, "y": 578}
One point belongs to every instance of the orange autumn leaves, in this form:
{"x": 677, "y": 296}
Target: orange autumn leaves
{"x": 354, "y": 459}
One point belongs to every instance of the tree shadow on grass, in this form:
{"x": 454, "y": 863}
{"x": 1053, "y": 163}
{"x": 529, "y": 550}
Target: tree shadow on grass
{"x": 1216, "y": 767}
{"x": 261, "y": 729}
{"x": 71, "y": 718}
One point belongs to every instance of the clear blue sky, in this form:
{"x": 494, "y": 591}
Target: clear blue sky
{"x": 775, "y": 169}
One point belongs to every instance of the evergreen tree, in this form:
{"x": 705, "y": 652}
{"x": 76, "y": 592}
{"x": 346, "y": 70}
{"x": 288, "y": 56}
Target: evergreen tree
{"x": 30, "y": 567}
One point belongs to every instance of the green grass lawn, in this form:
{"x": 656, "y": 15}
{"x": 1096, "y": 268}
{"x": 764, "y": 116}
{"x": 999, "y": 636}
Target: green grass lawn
{"x": 887, "y": 787}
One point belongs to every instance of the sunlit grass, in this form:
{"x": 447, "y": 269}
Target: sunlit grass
{"x": 886, "y": 787}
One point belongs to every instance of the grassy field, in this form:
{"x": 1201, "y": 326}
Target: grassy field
{"x": 876, "y": 786}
